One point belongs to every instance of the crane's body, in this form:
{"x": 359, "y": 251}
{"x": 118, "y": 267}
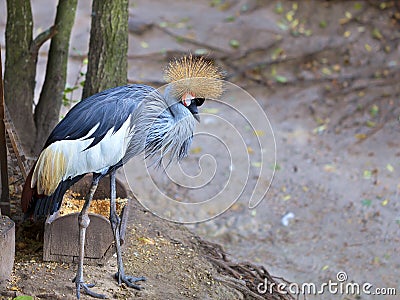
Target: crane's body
{"x": 102, "y": 132}
{"x": 80, "y": 144}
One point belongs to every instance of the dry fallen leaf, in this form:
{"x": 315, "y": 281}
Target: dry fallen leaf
{"x": 389, "y": 167}
{"x": 361, "y": 136}
{"x": 146, "y": 240}
{"x": 210, "y": 110}
{"x": 196, "y": 150}
{"x": 259, "y": 132}
{"x": 385, "y": 202}
{"x": 347, "y": 33}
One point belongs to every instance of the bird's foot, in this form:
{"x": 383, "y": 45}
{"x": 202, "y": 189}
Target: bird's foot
{"x": 80, "y": 285}
{"x": 129, "y": 280}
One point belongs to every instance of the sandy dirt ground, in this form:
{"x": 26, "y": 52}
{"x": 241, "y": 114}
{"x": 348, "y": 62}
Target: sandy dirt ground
{"x": 326, "y": 75}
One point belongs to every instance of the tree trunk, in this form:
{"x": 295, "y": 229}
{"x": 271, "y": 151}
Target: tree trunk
{"x": 108, "y": 47}
{"x": 20, "y": 69}
{"x": 48, "y": 108}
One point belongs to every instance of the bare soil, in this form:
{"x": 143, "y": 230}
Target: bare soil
{"x": 329, "y": 86}
{"x": 168, "y": 255}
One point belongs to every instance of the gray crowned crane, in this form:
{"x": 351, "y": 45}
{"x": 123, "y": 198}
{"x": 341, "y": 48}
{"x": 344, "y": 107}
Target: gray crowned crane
{"x": 102, "y": 132}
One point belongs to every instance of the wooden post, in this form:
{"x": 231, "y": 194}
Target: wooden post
{"x": 7, "y": 226}
{"x": 5, "y": 193}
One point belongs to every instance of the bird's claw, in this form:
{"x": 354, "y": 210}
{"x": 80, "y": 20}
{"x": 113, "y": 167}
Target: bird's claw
{"x": 80, "y": 285}
{"x": 129, "y": 280}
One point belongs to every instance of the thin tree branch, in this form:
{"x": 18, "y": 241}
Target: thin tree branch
{"x": 42, "y": 38}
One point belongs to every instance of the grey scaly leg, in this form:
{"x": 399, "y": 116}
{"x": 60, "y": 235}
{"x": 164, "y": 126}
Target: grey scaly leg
{"x": 84, "y": 221}
{"x": 115, "y": 222}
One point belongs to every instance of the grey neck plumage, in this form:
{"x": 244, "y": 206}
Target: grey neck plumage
{"x": 162, "y": 128}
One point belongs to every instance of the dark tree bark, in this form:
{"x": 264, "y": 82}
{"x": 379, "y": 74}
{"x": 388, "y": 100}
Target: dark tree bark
{"x": 48, "y": 108}
{"x": 108, "y": 47}
{"x": 20, "y": 71}
{"x": 107, "y": 63}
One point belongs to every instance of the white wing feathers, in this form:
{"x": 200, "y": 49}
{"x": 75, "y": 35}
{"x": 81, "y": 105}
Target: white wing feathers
{"x": 66, "y": 159}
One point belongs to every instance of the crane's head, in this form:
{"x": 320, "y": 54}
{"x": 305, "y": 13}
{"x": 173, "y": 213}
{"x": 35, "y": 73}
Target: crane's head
{"x": 192, "y": 80}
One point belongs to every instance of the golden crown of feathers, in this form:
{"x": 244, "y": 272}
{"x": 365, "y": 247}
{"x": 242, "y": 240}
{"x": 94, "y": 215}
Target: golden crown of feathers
{"x": 194, "y": 75}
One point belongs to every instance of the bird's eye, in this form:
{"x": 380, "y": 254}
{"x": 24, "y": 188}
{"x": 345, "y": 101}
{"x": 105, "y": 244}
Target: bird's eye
{"x": 200, "y": 101}
{"x": 186, "y": 102}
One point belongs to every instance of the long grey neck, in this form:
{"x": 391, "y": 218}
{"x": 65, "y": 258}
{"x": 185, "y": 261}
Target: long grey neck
{"x": 163, "y": 128}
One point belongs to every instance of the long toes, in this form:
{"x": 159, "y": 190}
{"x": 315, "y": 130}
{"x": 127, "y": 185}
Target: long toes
{"x": 135, "y": 279}
{"x": 88, "y": 291}
{"x": 132, "y": 285}
{"x": 130, "y": 280}
{"x": 93, "y": 294}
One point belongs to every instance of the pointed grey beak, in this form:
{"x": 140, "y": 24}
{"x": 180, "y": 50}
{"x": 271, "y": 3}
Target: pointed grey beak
{"x": 194, "y": 110}
{"x": 197, "y": 117}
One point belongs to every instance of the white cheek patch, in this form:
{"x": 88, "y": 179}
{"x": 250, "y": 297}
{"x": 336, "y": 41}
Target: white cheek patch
{"x": 187, "y": 102}
{"x": 187, "y": 99}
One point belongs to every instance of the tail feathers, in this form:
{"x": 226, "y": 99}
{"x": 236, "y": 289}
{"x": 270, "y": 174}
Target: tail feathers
{"x": 28, "y": 193}
{"x": 40, "y": 206}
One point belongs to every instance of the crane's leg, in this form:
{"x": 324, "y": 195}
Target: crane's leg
{"x": 115, "y": 222}
{"x": 84, "y": 221}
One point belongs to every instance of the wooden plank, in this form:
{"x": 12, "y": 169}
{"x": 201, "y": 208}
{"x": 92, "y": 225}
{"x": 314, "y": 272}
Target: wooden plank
{"x": 5, "y": 192}
{"x": 61, "y": 233}
{"x": 62, "y": 239}
{"x": 15, "y": 144}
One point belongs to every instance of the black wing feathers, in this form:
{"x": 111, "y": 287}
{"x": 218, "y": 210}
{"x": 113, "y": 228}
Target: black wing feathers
{"x": 107, "y": 109}
{"x": 47, "y": 205}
